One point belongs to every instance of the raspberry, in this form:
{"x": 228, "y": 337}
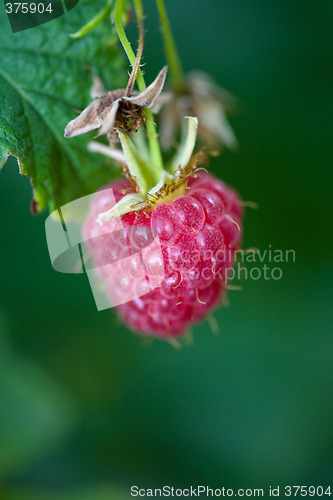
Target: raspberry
{"x": 165, "y": 269}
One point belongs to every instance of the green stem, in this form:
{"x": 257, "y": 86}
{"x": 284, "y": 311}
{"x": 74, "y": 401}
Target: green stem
{"x": 155, "y": 152}
{"x": 95, "y": 21}
{"x": 170, "y": 48}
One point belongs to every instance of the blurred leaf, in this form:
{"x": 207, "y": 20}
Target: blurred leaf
{"x": 35, "y": 412}
{"x": 4, "y": 343}
{"x": 100, "y": 493}
{"x": 43, "y": 83}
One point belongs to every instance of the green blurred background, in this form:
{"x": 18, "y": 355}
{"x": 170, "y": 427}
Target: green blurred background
{"x": 87, "y": 408}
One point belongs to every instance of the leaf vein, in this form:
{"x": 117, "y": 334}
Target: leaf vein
{"x": 55, "y": 134}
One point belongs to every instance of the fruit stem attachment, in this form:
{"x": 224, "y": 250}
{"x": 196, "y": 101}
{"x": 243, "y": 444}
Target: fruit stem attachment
{"x": 155, "y": 152}
{"x": 170, "y": 49}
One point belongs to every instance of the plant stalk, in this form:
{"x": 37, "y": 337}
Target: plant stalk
{"x": 155, "y": 152}
{"x": 170, "y": 49}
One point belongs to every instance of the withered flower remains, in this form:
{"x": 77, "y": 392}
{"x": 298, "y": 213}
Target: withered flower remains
{"x": 203, "y": 98}
{"x": 117, "y": 110}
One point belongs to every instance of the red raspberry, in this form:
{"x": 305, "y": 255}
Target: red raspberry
{"x": 165, "y": 269}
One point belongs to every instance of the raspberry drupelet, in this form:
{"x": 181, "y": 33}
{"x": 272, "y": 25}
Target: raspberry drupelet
{"x": 166, "y": 268}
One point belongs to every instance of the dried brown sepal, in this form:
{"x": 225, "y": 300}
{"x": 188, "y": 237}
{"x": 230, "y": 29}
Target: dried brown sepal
{"x": 118, "y": 110}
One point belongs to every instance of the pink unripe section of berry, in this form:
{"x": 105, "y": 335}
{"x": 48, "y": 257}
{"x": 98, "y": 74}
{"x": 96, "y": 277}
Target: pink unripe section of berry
{"x": 229, "y": 196}
{"x": 231, "y": 229}
{"x": 189, "y": 212}
{"x": 165, "y": 221}
{"x": 209, "y": 239}
{"x": 174, "y": 285}
{"x": 211, "y": 203}
{"x": 184, "y": 254}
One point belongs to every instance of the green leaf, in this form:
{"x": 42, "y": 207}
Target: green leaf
{"x": 44, "y": 81}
